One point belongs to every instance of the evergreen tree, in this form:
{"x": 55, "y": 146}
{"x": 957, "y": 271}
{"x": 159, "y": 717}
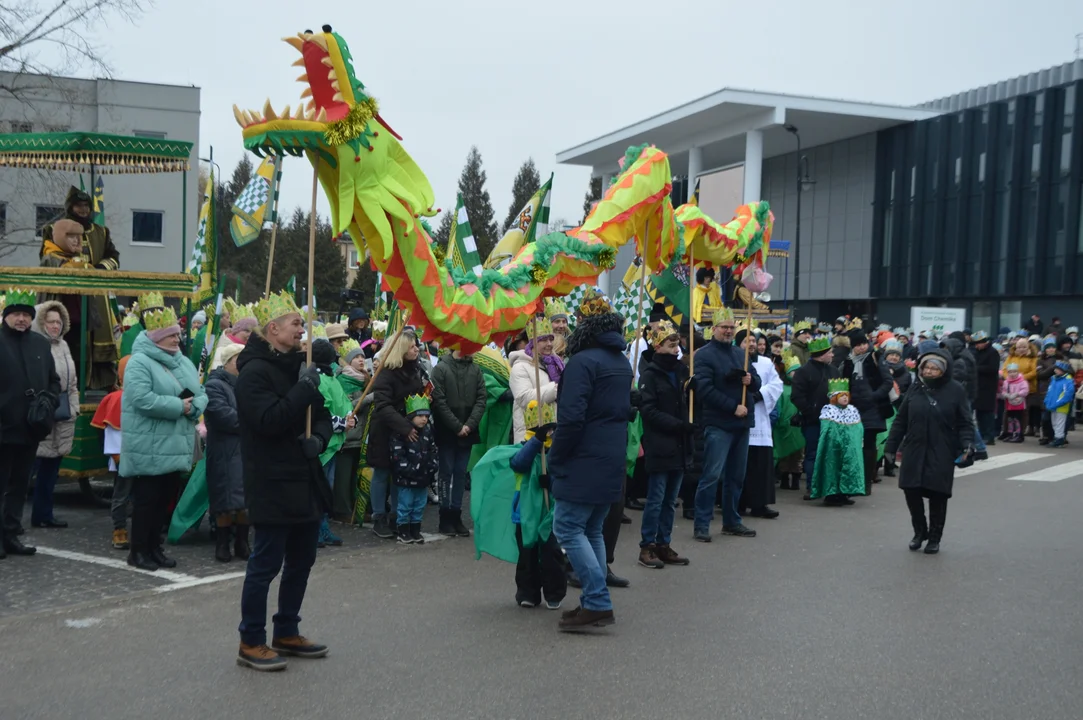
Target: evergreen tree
{"x": 594, "y": 193}
{"x": 478, "y": 205}
{"x": 365, "y": 283}
{"x": 443, "y": 230}
{"x": 523, "y": 188}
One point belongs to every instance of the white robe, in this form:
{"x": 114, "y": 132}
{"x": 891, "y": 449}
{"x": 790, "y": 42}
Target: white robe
{"x": 771, "y": 389}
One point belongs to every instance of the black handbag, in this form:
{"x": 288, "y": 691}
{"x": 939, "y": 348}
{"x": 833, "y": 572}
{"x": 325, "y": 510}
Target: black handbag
{"x": 63, "y": 409}
{"x": 41, "y": 415}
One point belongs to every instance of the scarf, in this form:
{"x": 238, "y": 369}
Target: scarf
{"x": 859, "y": 364}
{"x": 554, "y": 366}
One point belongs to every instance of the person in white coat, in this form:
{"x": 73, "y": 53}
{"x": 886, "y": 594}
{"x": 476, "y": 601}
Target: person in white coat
{"x": 51, "y": 320}
{"x": 759, "y": 491}
{"x": 530, "y": 366}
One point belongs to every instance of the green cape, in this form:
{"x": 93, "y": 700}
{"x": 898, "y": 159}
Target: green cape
{"x": 128, "y": 339}
{"x": 492, "y": 494}
{"x": 787, "y": 438}
{"x": 495, "y": 426}
{"x": 839, "y": 468}
{"x": 337, "y": 403}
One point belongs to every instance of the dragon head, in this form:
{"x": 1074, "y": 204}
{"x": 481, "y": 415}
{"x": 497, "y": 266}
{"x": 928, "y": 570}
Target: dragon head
{"x": 334, "y": 109}
{"x": 368, "y": 177}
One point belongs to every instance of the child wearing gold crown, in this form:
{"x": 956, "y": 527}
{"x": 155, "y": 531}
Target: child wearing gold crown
{"x": 413, "y": 465}
{"x": 840, "y": 469}
{"x": 507, "y": 498}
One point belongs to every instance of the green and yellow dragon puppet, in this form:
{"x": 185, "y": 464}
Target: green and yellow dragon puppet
{"x": 378, "y": 193}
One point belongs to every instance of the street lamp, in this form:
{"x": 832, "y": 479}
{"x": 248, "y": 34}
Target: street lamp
{"x": 802, "y": 180}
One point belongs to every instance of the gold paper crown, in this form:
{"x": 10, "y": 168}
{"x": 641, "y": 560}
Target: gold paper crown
{"x": 278, "y": 305}
{"x": 661, "y": 333}
{"x": 790, "y": 361}
{"x": 530, "y": 415}
{"x": 379, "y": 329}
{"x": 806, "y": 324}
{"x": 838, "y": 385}
{"x": 347, "y": 347}
{"x": 746, "y": 324}
{"x": 594, "y": 304}
{"x": 555, "y": 307}
{"x": 151, "y": 301}
{"x": 229, "y": 307}
{"x": 129, "y": 321}
{"x": 319, "y": 331}
{"x": 160, "y": 318}
{"x": 539, "y": 328}
{"x": 854, "y": 324}
{"x": 240, "y": 312}
{"x": 15, "y": 296}
{"x": 721, "y": 314}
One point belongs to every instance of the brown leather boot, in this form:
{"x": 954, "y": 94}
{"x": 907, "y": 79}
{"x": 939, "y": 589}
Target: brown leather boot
{"x": 669, "y": 556}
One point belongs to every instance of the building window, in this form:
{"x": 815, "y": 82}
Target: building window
{"x": 983, "y": 318}
{"x": 45, "y": 215}
{"x": 22, "y": 127}
{"x": 147, "y": 227}
{"x": 353, "y": 258}
{"x": 1066, "y": 135}
{"x": 152, "y": 134}
{"x": 1011, "y": 314}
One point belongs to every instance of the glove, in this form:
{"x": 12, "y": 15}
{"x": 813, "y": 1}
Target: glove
{"x": 692, "y": 382}
{"x": 636, "y": 399}
{"x": 795, "y": 421}
{"x": 543, "y": 481}
{"x": 543, "y": 432}
{"x": 735, "y": 375}
{"x": 774, "y": 415}
{"x": 311, "y": 447}
{"x": 311, "y": 377}
{"x": 507, "y": 396}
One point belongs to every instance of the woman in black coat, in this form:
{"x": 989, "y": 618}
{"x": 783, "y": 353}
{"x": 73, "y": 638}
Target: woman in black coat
{"x": 932, "y": 429}
{"x": 987, "y": 370}
{"x": 225, "y": 471}
{"x": 667, "y": 433}
{"x": 401, "y": 377}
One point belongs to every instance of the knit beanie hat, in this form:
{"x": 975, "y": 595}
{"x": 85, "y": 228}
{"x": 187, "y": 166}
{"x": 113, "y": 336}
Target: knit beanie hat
{"x": 356, "y": 352}
{"x": 934, "y": 359}
{"x": 199, "y": 316}
{"x": 248, "y": 323}
{"x": 927, "y": 346}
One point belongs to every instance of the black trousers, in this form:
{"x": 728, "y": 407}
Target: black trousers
{"x": 611, "y": 528}
{"x": 151, "y": 495}
{"x": 16, "y": 463}
{"x": 868, "y": 456}
{"x": 938, "y": 510}
{"x": 540, "y": 569}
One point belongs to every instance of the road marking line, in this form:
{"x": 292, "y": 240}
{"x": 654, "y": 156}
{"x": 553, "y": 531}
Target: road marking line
{"x": 195, "y": 582}
{"x": 1054, "y": 474}
{"x": 999, "y": 461}
{"x": 175, "y": 577}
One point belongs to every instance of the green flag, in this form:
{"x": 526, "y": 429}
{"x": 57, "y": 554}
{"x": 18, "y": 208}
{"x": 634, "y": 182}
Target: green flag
{"x": 462, "y": 251}
{"x": 291, "y": 287}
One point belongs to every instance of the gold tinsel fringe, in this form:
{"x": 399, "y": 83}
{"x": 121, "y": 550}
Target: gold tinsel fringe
{"x": 106, "y": 163}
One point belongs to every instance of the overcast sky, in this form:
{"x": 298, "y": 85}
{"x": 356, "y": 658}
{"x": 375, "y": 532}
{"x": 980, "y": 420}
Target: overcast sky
{"x": 528, "y": 79}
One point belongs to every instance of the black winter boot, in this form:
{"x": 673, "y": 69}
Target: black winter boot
{"x": 447, "y": 525}
{"x": 241, "y": 548}
{"x": 141, "y": 560}
{"x": 457, "y": 523}
{"x": 415, "y": 533}
{"x": 921, "y": 534}
{"x": 916, "y": 505}
{"x": 404, "y": 535}
{"x": 221, "y": 544}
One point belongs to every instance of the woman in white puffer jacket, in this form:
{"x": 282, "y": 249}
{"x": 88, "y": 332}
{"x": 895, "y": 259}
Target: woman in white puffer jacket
{"x": 523, "y": 373}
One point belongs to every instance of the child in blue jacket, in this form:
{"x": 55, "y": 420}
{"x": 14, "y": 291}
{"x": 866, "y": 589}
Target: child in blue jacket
{"x": 1058, "y": 401}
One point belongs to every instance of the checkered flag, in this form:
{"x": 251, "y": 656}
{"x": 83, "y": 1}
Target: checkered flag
{"x": 627, "y": 302}
{"x": 254, "y": 195}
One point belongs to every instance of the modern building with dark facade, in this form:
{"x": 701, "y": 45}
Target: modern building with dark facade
{"x": 970, "y": 201}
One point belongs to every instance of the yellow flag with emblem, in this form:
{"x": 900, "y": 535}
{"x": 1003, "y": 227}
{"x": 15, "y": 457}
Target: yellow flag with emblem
{"x": 531, "y": 223}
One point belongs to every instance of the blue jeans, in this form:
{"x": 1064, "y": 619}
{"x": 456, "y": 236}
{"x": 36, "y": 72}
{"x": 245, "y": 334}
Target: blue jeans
{"x": 291, "y": 549}
{"x": 987, "y": 424}
{"x": 48, "y": 470}
{"x": 379, "y": 489}
{"x": 662, "y": 489}
{"x": 725, "y": 455}
{"x": 329, "y": 470}
{"x": 578, "y": 527}
{"x": 979, "y": 441}
{"x": 812, "y": 441}
{"x": 411, "y": 505}
{"x": 453, "y": 461}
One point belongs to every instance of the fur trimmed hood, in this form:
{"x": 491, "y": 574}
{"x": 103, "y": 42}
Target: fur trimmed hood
{"x": 589, "y": 329}
{"x": 39, "y": 319}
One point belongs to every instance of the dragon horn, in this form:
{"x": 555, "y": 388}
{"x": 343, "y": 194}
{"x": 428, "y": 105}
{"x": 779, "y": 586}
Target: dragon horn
{"x": 296, "y": 42}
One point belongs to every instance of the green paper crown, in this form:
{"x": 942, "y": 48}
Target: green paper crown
{"x": 539, "y": 328}
{"x": 347, "y": 347}
{"x": 15, "y": 296}
{"x": 319, "y": 331}
{"x": 819, "y": 345}
{"x": 151, "y": 301}
{"x": 417, "y": 403}
{"x": 721, "y": 314}
{"x": 241, "y": 312}
{"x": 160, "y": 318}
{"x": 229, "y": 307}
{"x": 277, "y": 305}
{"x": 838, "y": 385}
{"x": 530, "y": 415}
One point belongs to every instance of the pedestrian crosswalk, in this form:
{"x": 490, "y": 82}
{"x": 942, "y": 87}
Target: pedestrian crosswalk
{"x": 1025, "y": 467}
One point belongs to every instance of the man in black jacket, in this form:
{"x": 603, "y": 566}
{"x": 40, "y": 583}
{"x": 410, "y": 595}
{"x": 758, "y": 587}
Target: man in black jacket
{"x": 718, "y": 384}
{"x": 667, "y": 436}
{"x": 458, "y": 404}
{"x": 285, "y": 488}
{"x": 964, "y": 369}
{"x": 26, "y": 369}
{"x": 987, "y": 376}
{"x": 809, "y": 395}
{"x": 870, "y": 388}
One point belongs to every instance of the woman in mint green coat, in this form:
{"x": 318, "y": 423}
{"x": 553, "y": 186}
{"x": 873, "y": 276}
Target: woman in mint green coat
{"x": 162, "y": 402}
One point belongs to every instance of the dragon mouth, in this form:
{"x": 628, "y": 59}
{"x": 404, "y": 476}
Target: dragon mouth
{"x": 328, "y": 94}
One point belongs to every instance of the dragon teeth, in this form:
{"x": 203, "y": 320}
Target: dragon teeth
{"x": 322, "y": 116}
{"x": 320, "y": 40}
{"x": 239, "y": 115}
{"x": 303, "y": 77}
{"x": 296, "y": 42}
{"x": 268, "y": 111}
{"x": 285, "y": 114}
{"x": 307, "y": 92}
{"x": 299, "y": 62}
{"x": 334, "y": 86}
{"x": 327, "y": 61}
{"x": 338, "y": 98}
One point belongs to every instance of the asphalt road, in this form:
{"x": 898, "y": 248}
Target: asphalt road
{"x": 824, "y": 615}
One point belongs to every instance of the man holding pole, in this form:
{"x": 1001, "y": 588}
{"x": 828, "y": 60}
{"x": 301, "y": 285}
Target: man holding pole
{"x": 722, "y": 377}
{"x": 587, "y": 463}
{"x": 285, "y": 488}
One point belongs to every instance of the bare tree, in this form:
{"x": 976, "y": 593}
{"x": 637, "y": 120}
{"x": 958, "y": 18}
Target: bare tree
{"x": 44, "y": 39}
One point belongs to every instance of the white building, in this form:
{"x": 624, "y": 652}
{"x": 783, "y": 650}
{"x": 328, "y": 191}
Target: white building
{"x": 143, "y": 212}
